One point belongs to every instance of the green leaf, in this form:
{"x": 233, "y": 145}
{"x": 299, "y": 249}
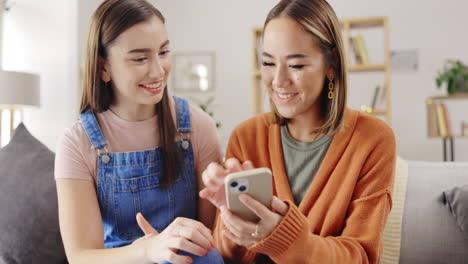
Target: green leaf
{"x": 210, "y": 100}
{"x": 453, "y": 71}
{"x": 450, "y": 86}
{"x": 205, "y": 107}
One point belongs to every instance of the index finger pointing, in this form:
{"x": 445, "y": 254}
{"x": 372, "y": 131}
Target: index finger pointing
{"x": 213, "y": 176}
{"x": 145, "y": 225}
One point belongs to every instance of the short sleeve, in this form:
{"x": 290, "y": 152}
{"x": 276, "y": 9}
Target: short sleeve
{"x": 205, "y": 139}
{"x": 73, "y": 159}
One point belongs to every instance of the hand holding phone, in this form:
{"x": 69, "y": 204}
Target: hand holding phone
{"x": 256, "y": 182}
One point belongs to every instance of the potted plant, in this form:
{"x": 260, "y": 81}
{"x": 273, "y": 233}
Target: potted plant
{"x": 205, "y": 106}
{"x": 455, "y": 74}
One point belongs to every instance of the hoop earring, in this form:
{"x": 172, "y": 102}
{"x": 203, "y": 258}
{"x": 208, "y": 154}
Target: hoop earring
{"x": 331, "y": 86}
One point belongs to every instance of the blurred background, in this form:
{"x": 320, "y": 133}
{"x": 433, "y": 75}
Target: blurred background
{"x": 48, "y": 37}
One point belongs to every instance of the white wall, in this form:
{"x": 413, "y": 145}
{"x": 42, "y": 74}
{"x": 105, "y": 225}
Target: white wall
{"x": 41, "y": 37}
{"x": 435, "y": 28}
{"x": 224, "y": 27}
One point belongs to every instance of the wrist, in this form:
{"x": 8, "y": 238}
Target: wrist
{"x": 143, "y": 249}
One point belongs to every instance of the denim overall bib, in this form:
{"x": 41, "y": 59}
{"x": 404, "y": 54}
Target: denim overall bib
{"x": 128, "y": 183}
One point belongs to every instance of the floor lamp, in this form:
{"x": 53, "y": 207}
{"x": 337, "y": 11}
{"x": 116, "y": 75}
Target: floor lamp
{"x": 17, "y": 89}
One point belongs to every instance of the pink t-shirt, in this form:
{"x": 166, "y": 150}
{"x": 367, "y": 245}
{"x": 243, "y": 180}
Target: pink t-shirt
{"x": 76, "y": 159}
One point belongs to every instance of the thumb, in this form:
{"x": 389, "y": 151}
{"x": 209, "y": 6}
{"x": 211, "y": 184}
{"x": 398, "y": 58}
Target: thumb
{"x": 279, "y": 206}
{"x": 145, "y": 226}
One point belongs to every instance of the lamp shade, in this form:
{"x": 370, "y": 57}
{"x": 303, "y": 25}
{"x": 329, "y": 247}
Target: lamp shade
{"x": 18, "y": 89}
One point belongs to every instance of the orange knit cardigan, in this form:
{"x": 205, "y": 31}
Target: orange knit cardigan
{"x": 342, "y": 216}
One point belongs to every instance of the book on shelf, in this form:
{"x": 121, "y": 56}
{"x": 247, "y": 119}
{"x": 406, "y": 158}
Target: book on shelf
{"x": 376, "y": 97}
{"x": 377, "y": 105}
{"x": 443, "y": 123}
{"x": 258, "y": 53}
{"x": 464, "y": 127}
{"x": 359, "y": 49}
{"x": 432, "y": 122}
{"x": 446, "y": 120}
{"x": 357, "y": 54}
{"x": 378, "y": 100}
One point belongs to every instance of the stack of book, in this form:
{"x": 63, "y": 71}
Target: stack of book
{"x": 438, "y": 121}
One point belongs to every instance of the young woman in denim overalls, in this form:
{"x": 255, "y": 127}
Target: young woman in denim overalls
{"x": 141, "y": 206}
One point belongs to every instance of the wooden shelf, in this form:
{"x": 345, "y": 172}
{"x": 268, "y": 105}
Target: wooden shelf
{"x": 371, "y": 111}
{"x": 367, "y": 68}
{"x": 447, "y": 97}
{"x": 438, "y": 120}
{"x": 362, "y": 24}
{"x": 378, "y": 112}
{"x": 434, "y": 104}
{"x": 368, "y": 22}
{"x": 454, "y": 136}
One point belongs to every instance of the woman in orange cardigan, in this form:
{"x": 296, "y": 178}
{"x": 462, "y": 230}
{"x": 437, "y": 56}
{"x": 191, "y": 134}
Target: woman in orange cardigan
{"x": 332, "y": 166}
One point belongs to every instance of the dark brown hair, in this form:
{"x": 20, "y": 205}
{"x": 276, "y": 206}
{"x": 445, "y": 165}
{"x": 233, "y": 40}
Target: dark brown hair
{"x": 318, "y": 18}
{"x": 109, "y": 20}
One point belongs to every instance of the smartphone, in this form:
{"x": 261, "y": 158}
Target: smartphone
{"x": 256, "y": 182}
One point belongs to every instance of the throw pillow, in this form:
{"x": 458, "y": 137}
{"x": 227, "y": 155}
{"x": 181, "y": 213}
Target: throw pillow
{"x": 28, "y": 202}
{"x": 456, "y": 200}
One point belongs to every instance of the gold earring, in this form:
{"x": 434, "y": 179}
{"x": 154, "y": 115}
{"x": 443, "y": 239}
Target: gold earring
{"x": 331, "y": 86}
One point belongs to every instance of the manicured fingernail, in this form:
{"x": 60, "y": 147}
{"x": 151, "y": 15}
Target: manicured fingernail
{"x": 223, "y": 209}
{"x": 242, "y": 197}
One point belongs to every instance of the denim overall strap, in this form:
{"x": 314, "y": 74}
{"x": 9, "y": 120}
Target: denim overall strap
{"x": 189, "y": 174}
{"x": 93, "y": 131}
{"x": 183, "y": 115}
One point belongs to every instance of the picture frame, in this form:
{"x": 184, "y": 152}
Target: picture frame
{"x": 193, "y": 72}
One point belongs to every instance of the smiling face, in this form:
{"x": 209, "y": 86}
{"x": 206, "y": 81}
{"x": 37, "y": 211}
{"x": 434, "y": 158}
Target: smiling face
{"x": 293, "y": 68}
{"x": 138, "y": 65}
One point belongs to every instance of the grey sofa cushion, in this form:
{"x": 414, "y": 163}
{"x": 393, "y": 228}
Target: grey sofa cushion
{"x": 456, "y": 200}
{"x": 429, "y": 233}
{"x": 29, "y": 229}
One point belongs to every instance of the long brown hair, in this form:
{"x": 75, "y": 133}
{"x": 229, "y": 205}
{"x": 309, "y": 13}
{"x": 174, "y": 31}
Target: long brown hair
{"x": 318, "y": 18}
{"x": 109, "y": 20}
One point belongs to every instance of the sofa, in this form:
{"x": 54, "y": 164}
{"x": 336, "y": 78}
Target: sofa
{"x": 428, "y": 222}
{"x": 421, "y": 228}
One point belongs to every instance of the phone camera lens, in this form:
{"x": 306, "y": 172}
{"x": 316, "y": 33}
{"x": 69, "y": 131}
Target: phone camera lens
{"x": 242, "y": 188}
{"x": 233, "y": 184}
